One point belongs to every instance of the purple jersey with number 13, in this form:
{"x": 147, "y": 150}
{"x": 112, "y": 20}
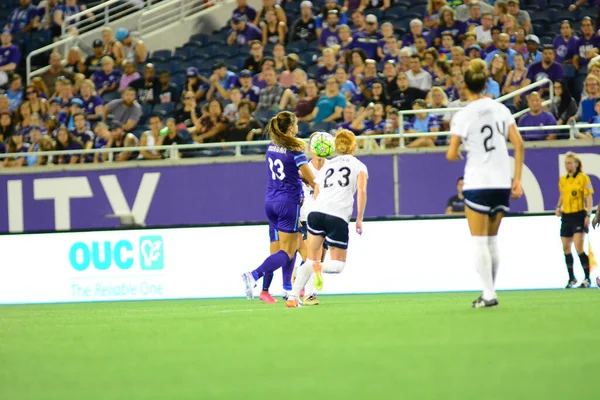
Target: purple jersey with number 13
{"x": 284, "y": 175}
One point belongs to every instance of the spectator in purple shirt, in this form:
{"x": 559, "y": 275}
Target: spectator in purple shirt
{"x": 107, "y": 80}
{"x": 249, "y": 91}
{"x": 10, "y": 56}
{"x": 448, "y": 23}
{"x": 547, "y": 68}
{"x": 328, "y": 68}
{"x": 66, "y": 141}
{"x": 23, "y": 18}
{"x": 588, "y": 43}
{"x": 92, "y": 103}
{"x": 243, "y": 32}
{"x": 566, "y": 45}
{"x": 330, "y": 35}
{"x": 416, "y": 29}
{"x": 243, "y": 9}
{"x": 368, "y": 40}
{"x": 537, "y": 116}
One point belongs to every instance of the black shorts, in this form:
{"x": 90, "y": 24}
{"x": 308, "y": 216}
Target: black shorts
{"x": 302, "y": 229}
{"x": 573, "y": 223}
{"x": 333, "y": 229}
{"x": 488, "y": 201}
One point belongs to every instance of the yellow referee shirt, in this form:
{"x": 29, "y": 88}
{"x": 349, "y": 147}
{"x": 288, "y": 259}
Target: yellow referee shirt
{"x": 574, "y": 189}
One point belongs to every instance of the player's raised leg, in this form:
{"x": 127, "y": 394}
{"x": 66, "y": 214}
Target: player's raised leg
{"x": 314, "y": 249}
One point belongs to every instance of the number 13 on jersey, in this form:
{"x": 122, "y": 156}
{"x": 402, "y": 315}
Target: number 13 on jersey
{"x": 276, "y": 169}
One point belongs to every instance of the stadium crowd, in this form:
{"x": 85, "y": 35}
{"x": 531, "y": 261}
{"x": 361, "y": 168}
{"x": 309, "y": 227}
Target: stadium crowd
{"x": 349, "y": 65}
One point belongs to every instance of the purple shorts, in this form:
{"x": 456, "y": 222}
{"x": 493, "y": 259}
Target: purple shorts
{"x": 273, "y": 234}
{"x": 283, "y": 216}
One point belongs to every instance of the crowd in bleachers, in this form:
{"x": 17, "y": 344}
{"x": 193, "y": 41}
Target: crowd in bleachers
{"x": 353, "y": 65}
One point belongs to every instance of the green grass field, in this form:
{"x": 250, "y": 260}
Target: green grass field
{"x": 536, "y": 345}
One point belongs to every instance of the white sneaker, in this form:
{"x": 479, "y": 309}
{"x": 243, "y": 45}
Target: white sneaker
{"x": 250, "y": 284}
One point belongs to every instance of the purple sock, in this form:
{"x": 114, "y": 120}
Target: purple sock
{"x": 288, "y": 270}
{"x": 272, "y": 263}
{"x": 267, "y": 279}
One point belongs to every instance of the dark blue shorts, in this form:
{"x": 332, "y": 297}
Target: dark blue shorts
{"x": 273, "y": 234}
{"x": 333, "y": 229}
{"x": 284, "y": 216}
{"x": 488, "y": 201}
{"x": 303, "y": 230}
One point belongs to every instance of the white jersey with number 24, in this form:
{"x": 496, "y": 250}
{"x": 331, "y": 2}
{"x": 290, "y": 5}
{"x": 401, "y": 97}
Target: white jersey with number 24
{"x": 483, "y": 127}
{"x": 338, "y": 181}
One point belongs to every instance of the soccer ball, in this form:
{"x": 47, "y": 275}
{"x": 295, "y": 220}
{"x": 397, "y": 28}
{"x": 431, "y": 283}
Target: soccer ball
{"x": 322, "y": 144}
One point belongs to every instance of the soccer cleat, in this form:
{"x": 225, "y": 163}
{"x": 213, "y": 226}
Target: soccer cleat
{"x": 250, "y": 284}
{"x": 293, "y": 303}
{"x": 311, "y": 300}
{"x": 318, "y": 268}
{"x": 585, "y": 284}
{"x": 481, "y": 303}
{"x": 572, "y": 284}
{"x": 266, "y": 297}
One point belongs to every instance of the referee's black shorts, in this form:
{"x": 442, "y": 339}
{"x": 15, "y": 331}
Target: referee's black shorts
{"x": 573, "y": 223}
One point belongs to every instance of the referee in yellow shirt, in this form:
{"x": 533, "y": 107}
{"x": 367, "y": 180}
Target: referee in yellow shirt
{"x": 575, "y": 206}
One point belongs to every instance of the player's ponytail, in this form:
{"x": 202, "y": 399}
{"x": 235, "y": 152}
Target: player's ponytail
{"x": 577, "y": 160}
{"x": 279, "y": 131}
{"x": 475, "y": 77}
{"x": 345, "y": 142}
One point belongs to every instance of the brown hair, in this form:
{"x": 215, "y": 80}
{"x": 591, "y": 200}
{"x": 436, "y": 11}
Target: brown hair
{"x": 475, "y": 77}
{"x": 345, "y": 142}
{"x": 278, "y": 128}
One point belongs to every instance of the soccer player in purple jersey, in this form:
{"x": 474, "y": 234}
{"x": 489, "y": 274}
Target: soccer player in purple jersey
{"x": 285, "y": 162}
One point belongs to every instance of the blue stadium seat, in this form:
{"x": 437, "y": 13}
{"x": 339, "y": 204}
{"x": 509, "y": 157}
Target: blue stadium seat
{"x": 559, "y": 3}
{"x": 308, "y": 57}
{"x": 546, "y": 40}
{"x": 417, "y": 10}
{"x": 199, "y": 37}
{"x": 565, "y": 15}
{"x": 405, "y": 3}
{"x": 395, "y": 11}
{"x": 181, "y": 53}
{"x": 236, "y": 61}
{"x": 161, "y": 55}
{"x": 296, "y": 47}
{"x": 178, "y": 79}
{"x": 166, "y": 108}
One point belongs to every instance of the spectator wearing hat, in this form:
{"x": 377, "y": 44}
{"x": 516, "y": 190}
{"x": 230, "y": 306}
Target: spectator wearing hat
{"x": 547, "y": 68}
{"x": 54, "y": 107}
{"x": 248, "y": 90}
{"x": 533, "y": 54}
{"x": 243, "y": 9}
{"x": 196, "y": 83}
{"x": 536, "y": 116}
{"x": 93, "y": 105}
{"x": 242, "y": 32}
{"x": 368, "y": 40}
{"x": 566, "y": 45}
{"x": 222, "y": 81}
{"x": 10, "y": 56}
{"x": 125, "y": 110}
{"x": 474, "y": 51}
{"x": 147, "y": 87}
{"x": 107, "y": 79}
{"x": 92, "y": 62}
{"x": 130, "y": 75}
{"x": 484, "y": 30}
{"x": 463, "y": 11}
{"x": 132, "y": 49}
{"x": 55, "y": 71}
{"x": 119, "y": 139}
{"x": 167, "y": 91}
{"x": 23, "y": 18}
{"x": 330, "y": 36}
{"x": 503, "y": 50}
{"x": 522, "y": 16}
{"x": 305, "y": 27}
{"x": 15, "y": 91}
{"x": 252, "y": 63}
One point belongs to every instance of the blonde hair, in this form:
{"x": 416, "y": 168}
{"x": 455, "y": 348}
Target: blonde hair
{"x": 442, "y": 92}
{"x": 345, "y": 142}
{"x": 577, "y": 160}
{"x": 90, "y": 84}
{"x": 430, "y": 6}
{"x": 475, "y": 77}
{"x": 593, "y": 77}
{"x": 278, "y": 128}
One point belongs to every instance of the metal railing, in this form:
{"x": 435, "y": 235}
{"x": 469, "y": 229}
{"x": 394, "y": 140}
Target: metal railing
{"x": 67, "y": 42}
{"x": 169, "y": 13}
{"x": 366, "y": 142}
{"x": 518, "y": 92}
{"x": 103, "y": 14}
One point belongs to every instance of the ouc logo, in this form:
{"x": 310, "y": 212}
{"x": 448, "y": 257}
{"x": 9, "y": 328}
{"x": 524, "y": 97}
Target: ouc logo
{"x": 102, "y": 255}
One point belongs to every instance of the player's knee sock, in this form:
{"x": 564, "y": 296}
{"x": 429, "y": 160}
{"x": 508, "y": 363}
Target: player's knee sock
{"x": 272, "y": 263}
{"x": 483, "y": 264}
{"x": 287, "y": 271}
{"x": 303, "y": 274}
{"x": 495, "y": 254}
{"x": 585, "y": 263}
{"x": 309, "y": 288}
{"x": 333, "y": 266}
{"x": 569, "y": 262}
{"x": 267, "y": 279}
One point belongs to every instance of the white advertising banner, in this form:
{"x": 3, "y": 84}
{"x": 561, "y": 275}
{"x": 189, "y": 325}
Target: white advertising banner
{"x": 391, "y": 256}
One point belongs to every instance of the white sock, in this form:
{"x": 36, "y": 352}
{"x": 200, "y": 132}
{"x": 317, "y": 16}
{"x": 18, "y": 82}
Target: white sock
{"x": 333, "y": 266}
{"x": 309, "y": 288}
{"x": 493, "y": 246}
{"x": 483, "y": 264}
{"x": 303, "y": 274}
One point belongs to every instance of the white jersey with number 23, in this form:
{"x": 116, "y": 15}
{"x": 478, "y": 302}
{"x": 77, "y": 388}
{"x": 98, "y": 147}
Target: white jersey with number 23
{"x": 338, "y": 181}
{"x": 483, "y": 127}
